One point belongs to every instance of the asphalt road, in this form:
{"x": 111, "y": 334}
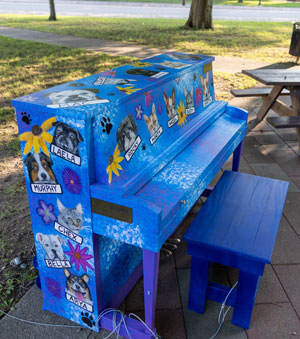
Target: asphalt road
{"x": 146, "y": 10}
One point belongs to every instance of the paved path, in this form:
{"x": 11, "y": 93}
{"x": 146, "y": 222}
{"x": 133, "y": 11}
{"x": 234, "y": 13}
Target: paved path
{"x": 222, "y": 64}
{"x": 146, "y": 10}
{"x": 266, "y": 152}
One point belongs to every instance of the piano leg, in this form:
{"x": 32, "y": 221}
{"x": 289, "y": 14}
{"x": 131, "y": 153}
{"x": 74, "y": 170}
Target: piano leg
{"x": 236, "y": 157}
{"x": 150, "y": 271}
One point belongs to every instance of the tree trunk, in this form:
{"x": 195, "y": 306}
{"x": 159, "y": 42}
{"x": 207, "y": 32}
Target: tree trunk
{"x": 200, "y": 16}
{"x": 52, "y": 16}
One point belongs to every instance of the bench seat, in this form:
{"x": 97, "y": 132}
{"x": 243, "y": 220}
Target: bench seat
{"x": 255, "y": 92}
{"x": 237, "y": 227}
{"x": 284, "y": 122}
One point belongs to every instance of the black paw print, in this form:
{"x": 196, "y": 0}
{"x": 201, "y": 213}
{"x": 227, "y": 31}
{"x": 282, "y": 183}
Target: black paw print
{"x": 87, "y": 319}
{"x": 143, "y": 147}
{"x": 107, "y": 126}
{"x": 26, "y": 118}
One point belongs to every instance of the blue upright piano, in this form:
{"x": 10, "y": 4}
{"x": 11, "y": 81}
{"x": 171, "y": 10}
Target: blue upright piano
{"x": 113, "y": 163}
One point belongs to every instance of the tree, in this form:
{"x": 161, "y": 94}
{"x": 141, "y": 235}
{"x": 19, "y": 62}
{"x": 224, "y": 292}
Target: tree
{"x": 200, "y": 16}
{"x": 52, "y": 16}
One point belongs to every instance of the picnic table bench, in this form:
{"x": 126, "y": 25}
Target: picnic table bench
{"x": 283, "y": 82}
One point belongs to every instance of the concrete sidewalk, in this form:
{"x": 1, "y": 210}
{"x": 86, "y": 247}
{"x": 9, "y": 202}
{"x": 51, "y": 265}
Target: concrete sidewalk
{"x": 266, "y": 152}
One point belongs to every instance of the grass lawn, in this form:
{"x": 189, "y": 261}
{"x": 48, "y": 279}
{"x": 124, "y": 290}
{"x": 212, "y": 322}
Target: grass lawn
{"x": 27, "y": 67}
{"x": 265, "y": 41}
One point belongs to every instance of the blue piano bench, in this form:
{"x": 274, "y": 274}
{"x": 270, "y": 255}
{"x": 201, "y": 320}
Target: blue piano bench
{"x": 237, "y": 227}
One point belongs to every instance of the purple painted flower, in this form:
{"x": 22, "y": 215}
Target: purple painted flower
{"x": 139, "y": 112}
{"x": 79, "y": 257}
{"x": 148, "y": 98}
{"x": 71, "y": 180}
{"x": 46, "y": 212}
{"x": 54, "y": 287}
{"x": 177, "y": 80}
{"x": 198, "y": 96}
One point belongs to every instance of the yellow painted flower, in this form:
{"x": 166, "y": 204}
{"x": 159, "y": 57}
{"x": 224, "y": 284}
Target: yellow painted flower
{"x": 113, "y": 164}
{"x": 37, "y": 137}
{"x": 128, "y": 90}
{"x": 181, "y": 114}
{"x": 141, "y": 64}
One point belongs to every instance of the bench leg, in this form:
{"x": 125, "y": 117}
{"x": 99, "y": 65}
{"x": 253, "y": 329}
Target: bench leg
{"x": 245, "y": 299}
{"x": 237, "y": 157}
{"x": 198, "y": 284}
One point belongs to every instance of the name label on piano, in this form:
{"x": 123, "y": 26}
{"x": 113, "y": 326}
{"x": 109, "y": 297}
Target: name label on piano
{"x": 68, "y": 233}
{"x": 133, "y": 148}
{"x": 81, "y": 303}
{"x": 46, "y": 188}
{"x": 65, "y": 155}
{"x": 57, "y": 263}
{"x": 190, "y": 111}
{"x": 159, "y": 74}
{"x": 156, "y": 135}
{"x": 173, "y": 121}
{"x": 207, "y": 101}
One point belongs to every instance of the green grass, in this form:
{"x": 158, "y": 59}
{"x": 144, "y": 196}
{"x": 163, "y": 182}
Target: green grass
{"x": 27, "y": 67}
{"x": 265, "y": 41}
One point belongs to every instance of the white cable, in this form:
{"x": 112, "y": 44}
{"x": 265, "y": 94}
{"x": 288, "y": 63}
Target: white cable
{"x": 38, "y": 323}
{"x": 222, "y": 313}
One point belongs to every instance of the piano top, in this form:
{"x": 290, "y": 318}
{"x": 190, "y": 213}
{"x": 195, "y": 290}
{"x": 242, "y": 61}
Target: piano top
{"x": 86, "y": 97}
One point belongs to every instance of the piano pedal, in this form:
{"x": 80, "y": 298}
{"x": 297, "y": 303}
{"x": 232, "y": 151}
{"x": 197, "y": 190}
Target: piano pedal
{"x": 174, "y": 240}
{"x": 166, "y": 252}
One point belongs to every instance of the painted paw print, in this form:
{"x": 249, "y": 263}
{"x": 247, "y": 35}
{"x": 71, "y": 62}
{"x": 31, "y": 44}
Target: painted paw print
{"x": 26, "y": 118}
{"x": 88, "y": 319}
{"x": 107, "y": 126}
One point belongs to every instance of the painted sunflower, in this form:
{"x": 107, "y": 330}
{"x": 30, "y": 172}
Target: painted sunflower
{"x": 113, "y": 164}
{"x": 181, "y": 114}
{"x": 128, "y": 90}
{"x": 37, "y": 137}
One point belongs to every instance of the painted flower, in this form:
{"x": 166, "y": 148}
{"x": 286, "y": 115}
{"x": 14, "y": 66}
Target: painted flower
{"x": 141, "y": 64}
{"x": 148, "y": 98}
{"x": 46, "y": 212}
{"x": 54, "y": 287}
{"x": 128, "y": 90}
{"x": 37, "y": 137}
{"x": 113, "y": 164}
{"x": 181, "y": 114}
{"x": 198, "y": 96}
{"x": 110, "y": 73}
{"x": 177, "y": 80}
{"x": 71, "y": 180}
{"x": 79, "y": 257}
{"x": 139, "y": 112}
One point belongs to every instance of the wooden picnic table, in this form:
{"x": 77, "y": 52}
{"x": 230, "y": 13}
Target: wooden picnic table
{"x": 279, "y": 79}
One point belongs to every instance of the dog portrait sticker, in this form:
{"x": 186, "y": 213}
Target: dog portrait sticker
{"x": 152, "y": 123}
{"x": 42, "y": 177}
{"x": 65, "y": 143}
{"x": 170, "y": 108}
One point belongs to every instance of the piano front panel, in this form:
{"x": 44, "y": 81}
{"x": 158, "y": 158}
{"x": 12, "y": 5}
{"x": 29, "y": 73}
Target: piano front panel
{"x": 177, "y": 186}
